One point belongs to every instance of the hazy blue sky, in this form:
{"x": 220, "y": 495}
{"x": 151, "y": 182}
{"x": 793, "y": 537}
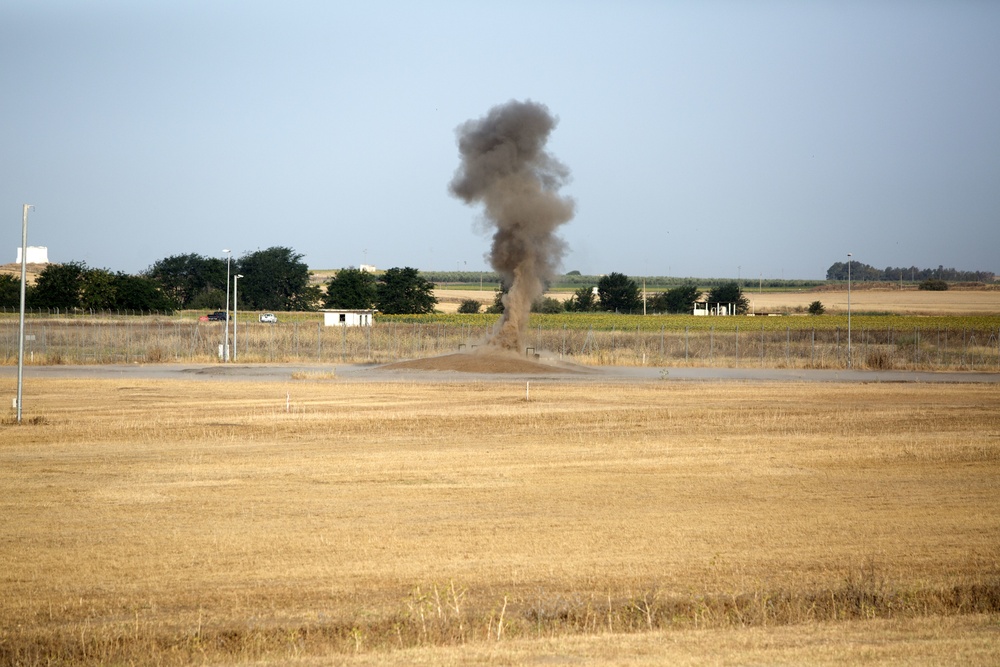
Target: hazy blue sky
{"x": 708, "y": 139}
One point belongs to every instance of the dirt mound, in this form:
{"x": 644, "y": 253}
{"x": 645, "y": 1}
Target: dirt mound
{"x": 480, "y": 362}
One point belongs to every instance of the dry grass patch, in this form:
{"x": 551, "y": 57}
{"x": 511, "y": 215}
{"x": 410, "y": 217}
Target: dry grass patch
{"x": 192, "y": 520}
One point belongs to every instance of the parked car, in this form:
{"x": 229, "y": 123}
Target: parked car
{"x": 268, "y": 318}
{"x": 217, "y": 316}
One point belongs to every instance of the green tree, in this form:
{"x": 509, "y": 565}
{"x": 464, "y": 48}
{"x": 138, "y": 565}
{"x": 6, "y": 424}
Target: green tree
{"x": 582, "y": 301}
{"x": 276, "y": 279}
{"x": 817, "y": 308}
{"x": 10, "y": 291}
{"x": 497, "y": 307}
{"x": 469, "y": 306}
{"x": 59, "y": 286}
{"x": 140, "y": 293}
{"x": 678, "y": 299}
{"x": 858, "y": 271}
{"x": 350, "y": 288}
{"x": 619, "y": 293}
{"x": 404, "y": 291}
{"x": 209, "y": 299}
{"x": 729, "y": 293}
{"x": 547, "y": 305}
{"x": 97, "y": 289}
{"x": 186, "y": 277}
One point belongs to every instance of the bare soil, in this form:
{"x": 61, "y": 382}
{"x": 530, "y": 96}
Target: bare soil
{"x": 482, "y": 362}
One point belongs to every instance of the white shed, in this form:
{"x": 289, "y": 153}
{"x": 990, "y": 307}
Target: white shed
{"x": 348, "y": 318}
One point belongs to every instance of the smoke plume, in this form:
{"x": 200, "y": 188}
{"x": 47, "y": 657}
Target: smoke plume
{"x": 505, "y": 166}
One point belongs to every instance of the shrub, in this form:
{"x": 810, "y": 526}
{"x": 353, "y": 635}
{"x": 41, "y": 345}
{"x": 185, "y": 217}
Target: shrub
{"x": 933, "y": 285}
{"x": 469, "y": 306}
{"x": 816, "y": 308}
{"x": 879, "y": 359}
{"x": 547, "y": 305}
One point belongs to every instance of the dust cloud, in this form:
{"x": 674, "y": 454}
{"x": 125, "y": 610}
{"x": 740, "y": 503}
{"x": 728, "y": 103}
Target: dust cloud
{"x": 506, "y": 168}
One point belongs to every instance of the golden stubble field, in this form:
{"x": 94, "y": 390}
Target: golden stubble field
{"x": 399, "y": 523}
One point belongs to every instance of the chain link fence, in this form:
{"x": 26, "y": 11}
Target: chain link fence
{"x": 115, "y": 340}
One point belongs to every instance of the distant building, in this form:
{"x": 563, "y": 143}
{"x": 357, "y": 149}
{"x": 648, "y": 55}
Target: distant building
{"x": 348, "y": 318}
{"x": 37, "y": 254}
{"x": 368, "y": 268}
{"x": 704, "y": 308}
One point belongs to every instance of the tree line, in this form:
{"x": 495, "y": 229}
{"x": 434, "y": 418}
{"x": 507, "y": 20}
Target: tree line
{"x": 617, "y": 293}
{"x": 864, "y": 272}
{"x": 275, "y": 279}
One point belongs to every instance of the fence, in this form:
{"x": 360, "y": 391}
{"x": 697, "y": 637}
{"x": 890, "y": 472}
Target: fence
{"x": 156, "y": 339}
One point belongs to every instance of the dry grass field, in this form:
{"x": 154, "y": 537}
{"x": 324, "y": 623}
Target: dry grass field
{"x": 395, "y": 523}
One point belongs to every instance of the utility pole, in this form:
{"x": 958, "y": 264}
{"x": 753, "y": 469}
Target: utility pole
{"x": 225, "y": 334}
{"x": 24, "y": 280}
{"x": 235, "y": 311}
{"x": 850, "y": 363}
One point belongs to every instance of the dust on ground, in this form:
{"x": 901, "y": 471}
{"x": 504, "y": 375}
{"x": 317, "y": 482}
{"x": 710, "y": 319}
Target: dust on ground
{"x": 484, "y": 362}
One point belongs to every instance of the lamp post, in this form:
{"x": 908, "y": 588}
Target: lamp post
{"x": 225, "y": 334}
{"x": 20, "y": 337}
{"x": 849, "y": 360}
{"x": 235, "y": 311}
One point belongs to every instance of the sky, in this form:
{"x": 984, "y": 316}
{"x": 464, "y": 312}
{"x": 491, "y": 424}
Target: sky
{"x": 704, "y": 139}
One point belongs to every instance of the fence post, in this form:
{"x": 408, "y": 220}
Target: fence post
{"x": 762, "y": 346}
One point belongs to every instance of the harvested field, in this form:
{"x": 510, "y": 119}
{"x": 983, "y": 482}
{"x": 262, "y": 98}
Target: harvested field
{"x": 401, "y": 523}
{"x": 898, "y": 302}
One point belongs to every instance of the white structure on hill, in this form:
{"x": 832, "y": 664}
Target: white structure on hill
{"x": 37, "y": 254}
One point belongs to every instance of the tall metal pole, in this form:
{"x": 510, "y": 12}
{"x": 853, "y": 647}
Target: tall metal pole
{"x": 225, "y": 334}
{"x": 850, "y": 361}
{"x": 236, "y": 305}
{"x": 24, "y": 281}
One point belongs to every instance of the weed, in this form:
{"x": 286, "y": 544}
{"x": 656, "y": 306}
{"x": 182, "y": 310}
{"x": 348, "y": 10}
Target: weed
{"x": 37, "y": 420}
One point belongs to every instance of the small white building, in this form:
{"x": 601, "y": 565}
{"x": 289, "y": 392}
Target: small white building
{"x": 37, "y": 254}
{"x": 703, "y": 308}
{"x": 347, "y": 318}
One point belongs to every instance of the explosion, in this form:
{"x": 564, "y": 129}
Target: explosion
{"x": 506, "y": 167}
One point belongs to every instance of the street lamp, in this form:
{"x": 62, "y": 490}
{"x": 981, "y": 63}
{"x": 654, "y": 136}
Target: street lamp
{"x": 235, "y": 307}
{"x": 225, "y": 334}
{"x": 849, "y": 361}
{"x": 20, "y": 337}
